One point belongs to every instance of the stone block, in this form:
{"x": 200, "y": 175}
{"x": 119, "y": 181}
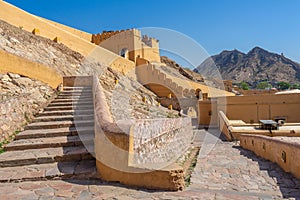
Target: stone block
{"x": 36, "y": 31}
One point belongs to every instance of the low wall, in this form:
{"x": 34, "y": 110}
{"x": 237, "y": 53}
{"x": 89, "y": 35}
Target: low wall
{"x": 77, "y": 81}
{"x": 233, "y": 129}
{"x": 284, "y": 151}
{"x": 118, "y": 151}
{"x": 160, "y": 141}
{"x": 82, "y": 34}
{"x": 251, "y": 108}
{"x": 160, "y": 83}
{"x": 15, "y": 64}
{"x": 257, "y": 92}
{"x": 224, "y": 126}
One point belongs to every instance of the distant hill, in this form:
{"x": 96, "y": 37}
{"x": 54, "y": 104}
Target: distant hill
{"x": 255, "y": 66}
{"x": 183, "y": 71}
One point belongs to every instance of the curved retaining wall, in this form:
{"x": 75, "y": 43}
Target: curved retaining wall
{"x": 284, "y": 151}
{"x": 18, "y": 65}
{"x": 116, "y": 146}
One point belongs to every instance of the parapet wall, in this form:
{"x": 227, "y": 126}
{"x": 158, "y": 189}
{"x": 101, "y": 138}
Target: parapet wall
{"x": 284, "y": 151}
{"x": 100, "y": 37}
{"x": 160, "y": 83}
{"x": 251, "y": 108}
{"x": 257, "y": 92}
{"x": 72, "y": 38}
{"x": 116, "y": 146}
{"x": 18, "y": 65}
{"x": 160, "y": 141}
{"x": 172, "y": 90}
{"x": 163, "y": 83}
{"x": 81, "y": 34}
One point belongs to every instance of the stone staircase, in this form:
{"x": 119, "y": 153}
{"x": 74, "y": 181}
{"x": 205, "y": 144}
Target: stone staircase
{"x": 54, "y": 145}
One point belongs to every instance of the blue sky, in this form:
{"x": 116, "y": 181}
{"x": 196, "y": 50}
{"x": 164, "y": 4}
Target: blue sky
{"x": 215, "y": 24}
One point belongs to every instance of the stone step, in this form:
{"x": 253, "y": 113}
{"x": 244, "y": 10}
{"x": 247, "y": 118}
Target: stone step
{"x": 64, "y": 118}
{"x": 68, "y": 97}
{"x": 76, "y": 92}
{"x": 77, "y": 88}
{"x": 71, "y": 101}
{"x": 46, "y": 155}
{"x": 27, "y": 134}
{"x": 74, "y": 96}
{"x": 38, "y": 143}
{"x": 59, "y": 124}
{"x": 84, "y": 103}
{"x": 76, "y": 107}
{"x": 85, "y": 169}
{"x": 67, "y": 112}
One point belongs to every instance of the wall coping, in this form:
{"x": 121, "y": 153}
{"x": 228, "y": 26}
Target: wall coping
{"x": 275, "y": 139}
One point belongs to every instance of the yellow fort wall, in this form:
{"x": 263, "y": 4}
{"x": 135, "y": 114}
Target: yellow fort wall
{"x": 131, "y": 39}
{"x": 163, "y": 84}
{"x": 18, "y": 65}
{"x": 82, "y": 34}
{"x": 72, "y": 38}
{"x": 251, "y": 108}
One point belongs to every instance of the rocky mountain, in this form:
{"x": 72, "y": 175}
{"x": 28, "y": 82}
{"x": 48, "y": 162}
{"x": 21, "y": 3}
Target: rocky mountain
{"x": 255, "y": 66}
{"x": 189, "y": 74}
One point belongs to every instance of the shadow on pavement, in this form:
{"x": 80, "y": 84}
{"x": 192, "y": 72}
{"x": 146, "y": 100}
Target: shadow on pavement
{"x": 287, "y": 183}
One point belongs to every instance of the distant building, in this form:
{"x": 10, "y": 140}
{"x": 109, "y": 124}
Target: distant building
{"x": 129, "y": 44}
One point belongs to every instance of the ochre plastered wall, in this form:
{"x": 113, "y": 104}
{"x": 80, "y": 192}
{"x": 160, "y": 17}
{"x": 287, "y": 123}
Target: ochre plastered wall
{"x": 253, "y": 108}
{"x": 82, "y": 34}
{"x": 72, "y": 38}
{"x": 208, "y": 112}
{"x": 284, "y": 153}
{"x": 109, "y": 137}
{"x": 131, "y": 40}
{"x": 162, "y": 83}
{"x": 18, "y": 65}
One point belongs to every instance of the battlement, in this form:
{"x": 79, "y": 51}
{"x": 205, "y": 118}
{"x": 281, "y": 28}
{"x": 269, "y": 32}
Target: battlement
{"x": 100, "y": 37}
{"x": 151, "y": 42}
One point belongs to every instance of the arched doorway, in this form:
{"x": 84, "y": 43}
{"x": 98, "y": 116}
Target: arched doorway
{"x": 124, "y": 53}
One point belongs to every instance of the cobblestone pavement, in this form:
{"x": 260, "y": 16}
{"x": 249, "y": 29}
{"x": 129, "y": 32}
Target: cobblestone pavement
{"x": 228, "y": 172}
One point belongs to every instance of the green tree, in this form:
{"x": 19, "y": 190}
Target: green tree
{"x": 244, "y": 86}
{"x": 283, "y": 85}
{"x": 295, "y": 86}
{"x": 263, "y": 85}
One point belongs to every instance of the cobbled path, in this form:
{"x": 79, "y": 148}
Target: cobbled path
{"x": 227, "y": 172}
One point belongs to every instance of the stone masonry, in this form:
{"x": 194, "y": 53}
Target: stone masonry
{"x": 20, "y": 99}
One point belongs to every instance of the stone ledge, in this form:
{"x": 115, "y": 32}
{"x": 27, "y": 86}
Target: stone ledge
{"x": 280, "y": 150}
{"x": 170, "y": 178}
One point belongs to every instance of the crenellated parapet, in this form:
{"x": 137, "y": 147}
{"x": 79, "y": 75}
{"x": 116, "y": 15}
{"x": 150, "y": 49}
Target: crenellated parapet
{"x": 100, "y": 37}
{"x": 149, "y": 41}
